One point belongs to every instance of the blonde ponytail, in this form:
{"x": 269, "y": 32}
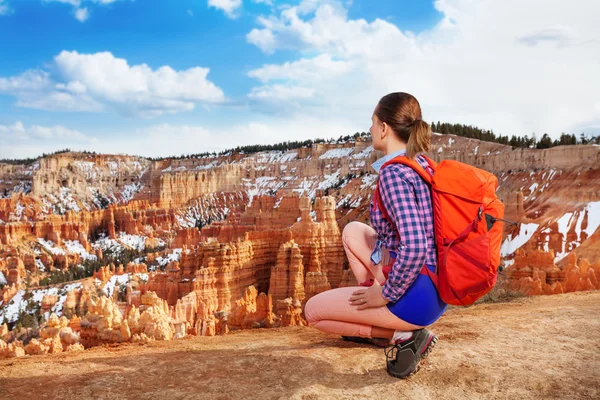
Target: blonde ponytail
{"x": 419, "y": 140}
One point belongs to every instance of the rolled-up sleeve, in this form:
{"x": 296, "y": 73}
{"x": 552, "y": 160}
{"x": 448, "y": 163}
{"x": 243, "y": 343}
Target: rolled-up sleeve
{"x": 398, "y": 197}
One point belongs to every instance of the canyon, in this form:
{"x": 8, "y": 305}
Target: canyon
{"x": 103, "y": 249}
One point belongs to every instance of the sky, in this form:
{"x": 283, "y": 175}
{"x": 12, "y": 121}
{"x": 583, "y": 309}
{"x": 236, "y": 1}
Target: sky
{"x": 159, "y": 78}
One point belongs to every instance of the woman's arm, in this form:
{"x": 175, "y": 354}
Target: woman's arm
{"x": 398, "y": 197}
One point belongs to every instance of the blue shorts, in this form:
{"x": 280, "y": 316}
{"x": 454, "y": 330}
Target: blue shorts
{"x": 421, "y": 304}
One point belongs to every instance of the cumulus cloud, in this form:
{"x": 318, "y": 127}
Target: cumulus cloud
{"x": 321, "y": 67}
{"x": 91, "y": 82}
{"x": 18, "y": 140}
{"x": 229, "y": 7}
{"x": 535, "y": 71}
{"x": 281, "y": 92}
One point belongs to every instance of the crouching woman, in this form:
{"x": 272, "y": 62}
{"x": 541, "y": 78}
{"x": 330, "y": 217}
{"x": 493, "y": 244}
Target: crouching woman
{"x": 396, "y": 300}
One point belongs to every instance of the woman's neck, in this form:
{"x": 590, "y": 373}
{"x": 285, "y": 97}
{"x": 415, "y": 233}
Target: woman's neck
{"x": 394, "y": 147}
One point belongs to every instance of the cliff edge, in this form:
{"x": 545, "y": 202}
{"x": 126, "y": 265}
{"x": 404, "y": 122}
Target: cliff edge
{"x": 530, "y": 348}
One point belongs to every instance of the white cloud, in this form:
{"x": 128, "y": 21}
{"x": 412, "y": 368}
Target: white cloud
{"x": 321, "y": 67}
{"x": 81, "y": 14}
{"x": 89, "y": 82}
{"x": 18, "y": 140}
{"x": 281, "y": 92}
{"x": 229, "y": 7}
{"x": 536, "y": 70}
{"x": 4, "y": 9}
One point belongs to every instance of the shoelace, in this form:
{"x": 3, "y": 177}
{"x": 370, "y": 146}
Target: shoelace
{"x": 391, "y": 351}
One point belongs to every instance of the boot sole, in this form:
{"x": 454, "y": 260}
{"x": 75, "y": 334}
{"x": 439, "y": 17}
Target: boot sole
{"x": 429, "y": 347}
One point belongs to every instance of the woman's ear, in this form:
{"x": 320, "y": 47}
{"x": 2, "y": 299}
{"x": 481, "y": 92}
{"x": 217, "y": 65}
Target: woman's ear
{"x": 384, "y": 129}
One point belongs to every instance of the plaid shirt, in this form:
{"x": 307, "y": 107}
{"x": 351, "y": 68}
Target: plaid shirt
{"x": 407, "y": 200}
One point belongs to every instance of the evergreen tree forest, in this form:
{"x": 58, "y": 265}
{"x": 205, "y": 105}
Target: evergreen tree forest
{"x": 534, "y": 141}
{"x": 544, "y": 142}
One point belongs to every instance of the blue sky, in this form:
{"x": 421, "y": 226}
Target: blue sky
{"x": 168, "y": 77}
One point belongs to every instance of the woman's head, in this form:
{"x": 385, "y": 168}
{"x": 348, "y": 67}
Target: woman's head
{"x": 397, "y": 117}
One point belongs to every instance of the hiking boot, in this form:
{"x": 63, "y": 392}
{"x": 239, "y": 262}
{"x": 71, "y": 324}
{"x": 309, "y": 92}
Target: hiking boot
{"x": 378, "y": 342}
{"x": 403, "y": 358}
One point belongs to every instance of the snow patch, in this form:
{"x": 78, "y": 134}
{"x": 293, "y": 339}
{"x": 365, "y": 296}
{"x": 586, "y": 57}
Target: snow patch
{"x": 337, "y": 153}
{"x": 74, "y": 247}
{"x": 51, "y": 247}
{"x": 368, "y": 181}
{"x": 112, "y": 283}
{"x": 366, "y": 153}
{"x": 511, "y": 244}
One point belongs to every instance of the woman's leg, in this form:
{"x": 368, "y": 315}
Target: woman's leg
{"x": 359, "y": 241}
{"x": 331, "y": 312}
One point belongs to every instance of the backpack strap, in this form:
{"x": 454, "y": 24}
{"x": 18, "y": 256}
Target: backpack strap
{"x": 426, "y": 175}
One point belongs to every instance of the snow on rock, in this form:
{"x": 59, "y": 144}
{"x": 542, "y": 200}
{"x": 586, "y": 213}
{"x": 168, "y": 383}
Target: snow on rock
{"x": 511, "y": 244}
{"x": 19, "y": 210}
{"x": 269, "y": 157}
{"x": 344, "y": 201}
{"x": 533, "y": 187}
{"x": 22, "y": 303}
{"x": 129, "y": 191}
{"x": 74, "y": 247}
{"x": 51, "y": 247}
{"x": 262, "y": 185}
{"x": 3, "y": 280}
{"x": 337, "y": 153}
{"x": 574, "y": 220}
{"x": 356, "y": 202}
{"x": 63, "y": 203}
{"x": 10, "y": 311}
{"x": 164, "y": 261}
{"x": 108, "y": 244}
{"x": 369, "y": 181}
{"x": 366, "y": 153}
{"x": 207, "y": 166}
{"x": 593, "y": 217}
{"x": 136, "y": 242}
{"x": 288, "y": 157}
{"x": 40, "y": 265}
{"x": 90, "y": 169}
{"x": 112, "y": 283}
{"x": 330, "y": 181}
{"x": 208, "y": 208}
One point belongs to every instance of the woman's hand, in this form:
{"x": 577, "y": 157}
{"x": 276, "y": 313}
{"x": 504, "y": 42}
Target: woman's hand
{"x": 368, "y": 298}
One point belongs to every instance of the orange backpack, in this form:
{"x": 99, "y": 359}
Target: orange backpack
{"x": 465, "y": 210}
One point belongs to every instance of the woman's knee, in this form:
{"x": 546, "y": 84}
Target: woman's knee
{"x": 310, "y": 310}
{"x": 354, "y": 229}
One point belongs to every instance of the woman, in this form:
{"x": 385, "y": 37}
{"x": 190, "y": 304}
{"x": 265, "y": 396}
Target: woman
{"x": 393, "y": 310}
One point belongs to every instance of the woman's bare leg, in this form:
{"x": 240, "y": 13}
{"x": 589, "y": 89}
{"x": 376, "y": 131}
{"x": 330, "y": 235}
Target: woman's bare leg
{"x": 359, "y": 241}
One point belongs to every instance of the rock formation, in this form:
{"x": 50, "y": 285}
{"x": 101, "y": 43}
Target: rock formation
{"x": 202, "y": 245}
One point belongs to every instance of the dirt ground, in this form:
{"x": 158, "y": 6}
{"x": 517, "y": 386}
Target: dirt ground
{"x": 531, "y": 348}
